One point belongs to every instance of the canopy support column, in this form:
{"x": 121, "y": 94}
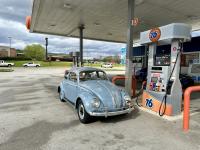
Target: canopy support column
{"x": 81, "y": 28}
{"x": 129, "y": 48}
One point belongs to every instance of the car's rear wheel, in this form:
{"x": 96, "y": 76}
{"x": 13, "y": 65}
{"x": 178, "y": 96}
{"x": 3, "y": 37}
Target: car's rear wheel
{"x": 25, "y": 66}
{"x": 84, "y": 117}
{"x": 61, "y": 96}
{"x": 9, "y": 65}
{"x": 37, "y": 66}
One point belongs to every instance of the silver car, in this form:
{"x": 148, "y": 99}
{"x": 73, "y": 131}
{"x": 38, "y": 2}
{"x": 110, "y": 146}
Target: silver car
{"x": 92, "y": 94}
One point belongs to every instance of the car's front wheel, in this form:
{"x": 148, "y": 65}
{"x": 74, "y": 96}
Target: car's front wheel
{"x": 61, "y": 96}
{"x": 84, "y": 117}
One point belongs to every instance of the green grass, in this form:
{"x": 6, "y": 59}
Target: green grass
{"x": 44, "y": 64}
{"x": 61, "y": 64}
{"x": 99, "y": 65}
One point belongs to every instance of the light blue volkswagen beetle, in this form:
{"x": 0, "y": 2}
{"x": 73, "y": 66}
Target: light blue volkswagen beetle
{"x": 92, "y": 94}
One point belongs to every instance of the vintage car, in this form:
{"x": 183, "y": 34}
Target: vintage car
{"x": 92, "y": 94}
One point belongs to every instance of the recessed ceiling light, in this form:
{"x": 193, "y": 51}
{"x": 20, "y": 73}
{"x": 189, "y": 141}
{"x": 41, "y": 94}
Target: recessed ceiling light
{"x": 97, "y": 24}
{"x": 67, "y": 5}
{"x": 193, "y": 17}
{"x": 51, "y": 26}
{"x": 139, "y": 2}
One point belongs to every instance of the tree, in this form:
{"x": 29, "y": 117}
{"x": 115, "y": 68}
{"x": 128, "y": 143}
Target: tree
{"x": 113, "y": 59}
{"x": 107, "y": 59}
{"x": 34, "y": 52}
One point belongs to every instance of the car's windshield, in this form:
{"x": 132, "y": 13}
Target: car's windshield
{"x": 92, "y": 75}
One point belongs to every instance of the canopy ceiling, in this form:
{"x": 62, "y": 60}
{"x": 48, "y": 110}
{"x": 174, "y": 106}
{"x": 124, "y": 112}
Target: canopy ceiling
{"x": 107, "y": 19}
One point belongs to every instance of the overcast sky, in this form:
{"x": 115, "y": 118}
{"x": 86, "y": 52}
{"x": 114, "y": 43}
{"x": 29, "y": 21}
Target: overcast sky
{"x": 12, "y": 24}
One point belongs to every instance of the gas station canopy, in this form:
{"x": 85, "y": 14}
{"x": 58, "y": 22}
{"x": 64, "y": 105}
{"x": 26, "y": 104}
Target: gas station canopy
{"x": 107, "y": 19}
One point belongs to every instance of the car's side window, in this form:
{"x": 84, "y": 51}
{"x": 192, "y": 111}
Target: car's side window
{"x": 101, "y": 75}
{"x": 72, "y": 76}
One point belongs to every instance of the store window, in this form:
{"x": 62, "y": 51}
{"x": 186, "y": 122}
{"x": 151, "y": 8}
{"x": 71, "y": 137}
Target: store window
{"x": 188, "y": 59}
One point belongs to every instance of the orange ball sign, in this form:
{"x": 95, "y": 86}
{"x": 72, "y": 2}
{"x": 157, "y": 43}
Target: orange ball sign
{"x": 154, "y": 34}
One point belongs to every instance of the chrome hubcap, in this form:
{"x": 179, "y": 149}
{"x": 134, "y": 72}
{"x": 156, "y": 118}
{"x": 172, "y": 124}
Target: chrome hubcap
{"x": 81, "y": 111}
{"x": 61, "y": 95}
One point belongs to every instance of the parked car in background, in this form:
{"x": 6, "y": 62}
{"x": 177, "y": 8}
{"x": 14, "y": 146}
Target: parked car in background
{"x": 5, "y": 64}
{"x": 31, "y": 64}
{"x": 186, "y": 80}
{"x": 107, "y": 65}
{"x": 92, "y": 94}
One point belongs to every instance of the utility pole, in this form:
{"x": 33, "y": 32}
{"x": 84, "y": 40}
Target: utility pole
{"x": 10, "y": 39}
{"x": 46, "y": 44}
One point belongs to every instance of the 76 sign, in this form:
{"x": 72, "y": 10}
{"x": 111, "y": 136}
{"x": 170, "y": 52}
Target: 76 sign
{"x": 149, "y": 102}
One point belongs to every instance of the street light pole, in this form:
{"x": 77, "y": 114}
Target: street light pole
{"x": 46, "y": 44}
{"x": 10, "y": 38}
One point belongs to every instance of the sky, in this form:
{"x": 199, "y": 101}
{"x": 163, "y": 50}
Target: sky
{"x": 12, "y": 24}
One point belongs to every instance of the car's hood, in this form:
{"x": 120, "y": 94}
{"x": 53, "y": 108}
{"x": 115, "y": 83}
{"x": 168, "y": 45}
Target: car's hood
{"x": 108, "y": 93}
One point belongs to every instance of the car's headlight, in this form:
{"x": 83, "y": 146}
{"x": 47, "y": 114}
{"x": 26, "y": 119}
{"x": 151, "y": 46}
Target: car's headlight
{"x": 127, "y": 100}
{"x": 96, "y": 103}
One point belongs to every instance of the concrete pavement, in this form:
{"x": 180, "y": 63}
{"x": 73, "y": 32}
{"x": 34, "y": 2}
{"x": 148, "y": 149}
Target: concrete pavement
{"x": 33, "y": 118}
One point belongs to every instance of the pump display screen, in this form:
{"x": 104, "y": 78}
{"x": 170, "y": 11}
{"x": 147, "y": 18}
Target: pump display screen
{"x": 154, "y": 79}
{"x": 163, "y": 60}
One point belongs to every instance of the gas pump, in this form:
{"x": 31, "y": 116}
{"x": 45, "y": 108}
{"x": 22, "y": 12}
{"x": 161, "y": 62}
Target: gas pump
{"x": 163, "y": 93}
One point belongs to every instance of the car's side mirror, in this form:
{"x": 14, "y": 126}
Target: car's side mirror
{"x": 65, "y": 76}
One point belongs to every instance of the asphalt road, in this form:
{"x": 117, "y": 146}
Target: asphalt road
{"x": 33, "y": 118}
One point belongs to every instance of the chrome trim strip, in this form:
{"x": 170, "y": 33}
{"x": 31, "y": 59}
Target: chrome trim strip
{"x": 106, "y": 113}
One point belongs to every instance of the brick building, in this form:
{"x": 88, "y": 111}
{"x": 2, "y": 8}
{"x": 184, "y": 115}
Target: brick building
{"x": 7, "y": 52}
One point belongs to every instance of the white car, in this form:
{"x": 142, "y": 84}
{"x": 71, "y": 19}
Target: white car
{"x": 31, "y": 64}
{"x": 4, "y": 64}
{"x": 108, "y": 65}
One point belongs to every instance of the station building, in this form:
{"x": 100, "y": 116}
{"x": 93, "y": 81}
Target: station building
{"x": 5, "y": 51}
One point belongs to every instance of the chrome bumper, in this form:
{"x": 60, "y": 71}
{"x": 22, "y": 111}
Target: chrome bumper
{"x": 113, "y": 113}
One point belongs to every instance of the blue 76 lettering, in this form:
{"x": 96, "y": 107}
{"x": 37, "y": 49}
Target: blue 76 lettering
{"x": 149, "y": 103}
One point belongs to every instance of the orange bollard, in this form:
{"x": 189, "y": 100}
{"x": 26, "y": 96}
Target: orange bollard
{"x": 134, "y": 84}
{"x": 186, "y": 111}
